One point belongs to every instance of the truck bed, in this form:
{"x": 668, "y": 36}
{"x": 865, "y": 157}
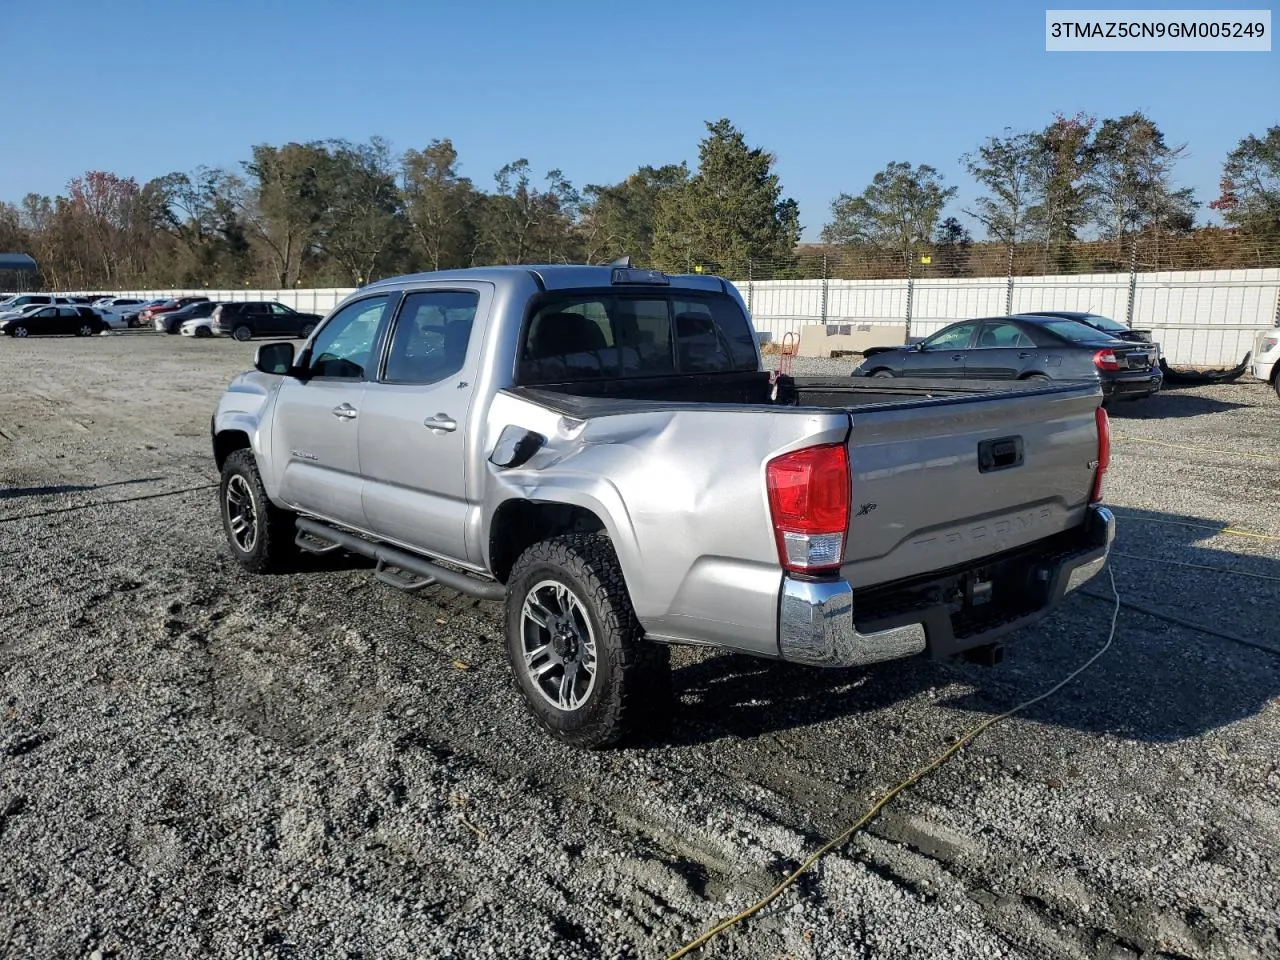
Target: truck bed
{"x": 604, "y": 398}
{"x": 944, "y": 472}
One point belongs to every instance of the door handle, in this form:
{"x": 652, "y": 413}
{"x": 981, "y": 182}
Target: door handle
{"x": 441, "y": 422}
{"x": 957, "y": 356}
{"x": 344, "y": 411}
{"x": 1024, "y": 355}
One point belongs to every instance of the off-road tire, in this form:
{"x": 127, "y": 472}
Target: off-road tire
{"x": 632, "y": 690}
{"x": 274, "y": 549}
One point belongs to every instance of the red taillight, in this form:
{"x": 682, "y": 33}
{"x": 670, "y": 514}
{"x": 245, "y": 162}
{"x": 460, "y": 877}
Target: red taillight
{"x": 1106, "y": 360}
{"x": 809, "y": 494}
{"x": 1104, "y": 453}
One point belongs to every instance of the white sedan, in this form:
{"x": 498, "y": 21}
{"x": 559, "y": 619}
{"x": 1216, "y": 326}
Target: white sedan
{"x": 199, "y": 327}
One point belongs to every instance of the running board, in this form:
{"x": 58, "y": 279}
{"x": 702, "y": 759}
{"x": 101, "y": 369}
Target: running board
{"x": 392, "y": 579}
{"x": 386, "y": 556}
{"x": 309, "y": 544}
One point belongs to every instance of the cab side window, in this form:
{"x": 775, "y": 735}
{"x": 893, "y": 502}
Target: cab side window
{"x": 431, "y": 336}
{"x": 344, "y": 348}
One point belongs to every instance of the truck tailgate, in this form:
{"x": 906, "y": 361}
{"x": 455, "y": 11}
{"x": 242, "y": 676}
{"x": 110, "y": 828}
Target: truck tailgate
{"x": 944, "y": 484}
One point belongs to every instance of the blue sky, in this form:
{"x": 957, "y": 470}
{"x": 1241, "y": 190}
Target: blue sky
{"x": 835, "y": 90}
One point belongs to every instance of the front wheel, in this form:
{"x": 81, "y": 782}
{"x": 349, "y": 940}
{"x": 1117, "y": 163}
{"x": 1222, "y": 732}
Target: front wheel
{"x": 583, "y": 666}
{"x": 307, "y": 330}
{"x": 203, "y": 332}
{"x": 260, "y": 534}
{"x": 1036, "y": 378}
{"x": 133, "y": 323}
{"x": 883, "y": 373}
{"x": 243, "y": 334}
{"x": 20, "y": 332}
{"x": 85, "y": 330}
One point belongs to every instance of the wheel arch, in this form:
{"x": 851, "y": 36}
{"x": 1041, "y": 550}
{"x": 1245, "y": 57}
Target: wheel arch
{"x": 518, "y": 524}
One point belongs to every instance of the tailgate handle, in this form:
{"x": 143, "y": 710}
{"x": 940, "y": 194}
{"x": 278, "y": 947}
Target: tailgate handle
{"x": 999, "y": 454}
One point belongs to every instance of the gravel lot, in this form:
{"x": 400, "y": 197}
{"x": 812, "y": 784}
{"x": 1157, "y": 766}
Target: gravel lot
{"x": 196, "y": 762}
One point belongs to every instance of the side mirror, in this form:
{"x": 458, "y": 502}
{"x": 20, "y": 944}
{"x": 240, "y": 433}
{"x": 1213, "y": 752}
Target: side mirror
{"x": 918, "y": 346}
{"x": 274, "y": 358}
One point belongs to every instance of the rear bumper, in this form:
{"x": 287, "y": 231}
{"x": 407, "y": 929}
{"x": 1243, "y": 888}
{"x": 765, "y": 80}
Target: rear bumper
{"x": 1133, "y": 385}
{"x": 825, "y": 623}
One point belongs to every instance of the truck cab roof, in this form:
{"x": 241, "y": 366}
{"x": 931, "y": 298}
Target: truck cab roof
{"x": 561, "y": 276}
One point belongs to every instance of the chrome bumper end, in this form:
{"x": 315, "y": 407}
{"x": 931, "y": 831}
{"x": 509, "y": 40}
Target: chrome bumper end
{"x": 816, "y": 627}
{"x": 1104, "y": 531}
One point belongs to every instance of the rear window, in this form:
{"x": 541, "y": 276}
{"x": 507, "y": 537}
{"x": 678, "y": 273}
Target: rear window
{"x": 1106, "y": 323}
{"x": 1073, "y": 330}
{"x": 593, "y": 336}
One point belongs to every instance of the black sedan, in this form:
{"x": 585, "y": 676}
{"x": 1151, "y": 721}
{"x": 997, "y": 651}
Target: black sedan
{"x": 52, "y": 321}
{"x": 1113, "y": 328}
{"x": 1023, "y": 347}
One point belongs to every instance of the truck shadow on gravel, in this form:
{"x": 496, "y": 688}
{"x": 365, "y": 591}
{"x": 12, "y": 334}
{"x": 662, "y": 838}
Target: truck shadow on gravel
{"x": 1159, "y": 682}
{"x": 14, "y": 493}
{"x": 1172, "y": 402}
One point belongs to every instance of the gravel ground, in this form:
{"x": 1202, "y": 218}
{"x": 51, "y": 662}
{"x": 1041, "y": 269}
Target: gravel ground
{"x": 197, "y": 762}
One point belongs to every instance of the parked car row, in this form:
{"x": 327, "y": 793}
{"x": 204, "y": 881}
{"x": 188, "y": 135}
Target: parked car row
{"x": 1060, "y": 345}
{"x": 189, "y": 316}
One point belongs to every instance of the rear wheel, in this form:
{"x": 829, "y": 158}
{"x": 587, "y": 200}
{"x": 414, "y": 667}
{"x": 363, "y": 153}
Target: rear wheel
{"x": 260, "y": 534}
{"x": 84, "y": 331}
{"x": 242, "y": 333}
{"x": 133, "y": 323}
{"x": 1038, "y": 377}
{"x": 882, "y": 373}
{"x": 307, "y": 330}
{"x": 583, "y": 666}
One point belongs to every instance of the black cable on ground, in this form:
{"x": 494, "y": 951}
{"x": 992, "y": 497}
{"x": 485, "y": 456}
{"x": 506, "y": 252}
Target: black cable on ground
{"x": 1189, "y": 624}
{"x": 106, "y": 503}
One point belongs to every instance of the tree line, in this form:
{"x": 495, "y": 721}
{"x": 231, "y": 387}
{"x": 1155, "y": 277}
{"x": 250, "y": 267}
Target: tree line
{"x": 337, "y": 213}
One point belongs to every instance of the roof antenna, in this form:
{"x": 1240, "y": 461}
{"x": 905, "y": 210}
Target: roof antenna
{"x": 621, "y": 262}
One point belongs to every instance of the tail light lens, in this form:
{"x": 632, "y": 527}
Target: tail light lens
{"x": 1104, "y": 453}
{"x": 1269, "y": 344}
{"x": 809, "y": 495}
{"x": 1106, "y": 360}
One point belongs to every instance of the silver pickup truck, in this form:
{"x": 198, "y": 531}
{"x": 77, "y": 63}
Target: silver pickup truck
{"x": 600, "y": 450}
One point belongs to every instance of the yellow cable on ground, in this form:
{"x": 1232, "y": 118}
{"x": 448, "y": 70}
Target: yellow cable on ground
{"x": 1185, "y": 446}
{"x": 916, "y": 777}
{"x": 1200, "y": 526}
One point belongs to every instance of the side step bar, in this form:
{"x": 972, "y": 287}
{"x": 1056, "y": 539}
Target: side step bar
{"x": 393, "y": 557}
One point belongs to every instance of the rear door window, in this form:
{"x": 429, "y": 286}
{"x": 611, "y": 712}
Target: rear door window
{"x": 431, "y": 334}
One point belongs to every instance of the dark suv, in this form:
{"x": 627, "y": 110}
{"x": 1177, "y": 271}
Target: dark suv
{"x": 269, "y": 318}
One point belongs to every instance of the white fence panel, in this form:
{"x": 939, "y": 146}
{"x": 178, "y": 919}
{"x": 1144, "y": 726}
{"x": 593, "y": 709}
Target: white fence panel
{"x": 1209, "y": 317}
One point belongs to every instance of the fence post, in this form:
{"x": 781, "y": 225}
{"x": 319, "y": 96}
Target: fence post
{"x": 1008, "y": 293}
{"x": 824, "y": 289}
{"x": 910, "y": 288}
{"x": 750, "y": 286}
{"x": 1133, "y": 280}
